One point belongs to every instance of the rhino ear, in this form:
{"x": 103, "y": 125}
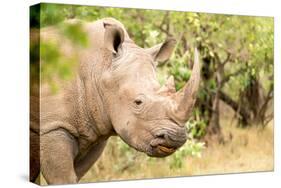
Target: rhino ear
{"x": 113, "y": 37}
{"x": 163, "y": 51}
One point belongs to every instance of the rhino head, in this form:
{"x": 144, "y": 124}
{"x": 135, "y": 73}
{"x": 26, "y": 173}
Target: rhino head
{"x": 148, "y": 117}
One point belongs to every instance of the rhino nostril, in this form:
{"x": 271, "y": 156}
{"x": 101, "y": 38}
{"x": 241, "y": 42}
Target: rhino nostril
{"x": 172, "y": 138}
{"x": 176, "y": 123}
{"x": 161, "y": 135}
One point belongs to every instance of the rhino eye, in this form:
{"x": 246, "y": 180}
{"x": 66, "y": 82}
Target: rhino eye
{"x": 138, "y": 102}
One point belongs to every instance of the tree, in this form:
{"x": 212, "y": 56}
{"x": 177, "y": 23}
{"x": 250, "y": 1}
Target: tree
{"x": 236, "y": 54}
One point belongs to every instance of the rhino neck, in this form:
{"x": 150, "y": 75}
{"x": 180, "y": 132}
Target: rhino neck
{"x": 89, "y": 86}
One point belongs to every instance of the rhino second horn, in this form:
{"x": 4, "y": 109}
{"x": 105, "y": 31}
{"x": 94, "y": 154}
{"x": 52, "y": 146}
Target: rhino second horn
{"x": 169, "y": 86}
{"x": 186, "y": 97}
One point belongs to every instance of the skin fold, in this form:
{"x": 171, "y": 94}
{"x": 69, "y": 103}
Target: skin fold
{"x": 115, "y": 92}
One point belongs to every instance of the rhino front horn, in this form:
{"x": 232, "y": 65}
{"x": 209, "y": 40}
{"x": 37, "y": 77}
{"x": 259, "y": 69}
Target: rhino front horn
{"x": 186, "y": 97}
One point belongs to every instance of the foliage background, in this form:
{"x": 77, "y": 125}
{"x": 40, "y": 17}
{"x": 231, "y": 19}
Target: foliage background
{"x": 232, "y": 120}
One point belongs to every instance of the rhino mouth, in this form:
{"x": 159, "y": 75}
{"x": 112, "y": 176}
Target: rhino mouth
{"x": 166, "y": 149}
{"x": 166, "y": 141}
{"x": 161, "y": 151}
{"x": 160, "y": 148}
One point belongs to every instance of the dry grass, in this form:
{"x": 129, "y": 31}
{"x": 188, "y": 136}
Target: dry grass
{"x": 249, "y": 150}
{"x": 246, "y": 150}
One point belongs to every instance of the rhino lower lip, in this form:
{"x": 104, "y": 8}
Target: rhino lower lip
{"x": 166, "y": 149}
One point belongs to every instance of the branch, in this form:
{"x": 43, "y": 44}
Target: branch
{"x": 165, "y": 31}
{"x": 164, "y": 19}
{"x": 263, "y": 108}
{"x": 268, "y": 119}
{"x": 224, "y": 62}
{"x": 163, "y": 23}
{"x": 235, "y": 106}
{"x": 226, "y": 59}
{"x": 217, "y": 57}
{"x": 227, "y": 78}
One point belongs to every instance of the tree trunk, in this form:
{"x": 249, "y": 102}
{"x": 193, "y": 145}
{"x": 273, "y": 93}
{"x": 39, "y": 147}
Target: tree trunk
{"x": 243, "y": 113}
{"x": 213, "y": 132}
{"x": 253, "y": 104}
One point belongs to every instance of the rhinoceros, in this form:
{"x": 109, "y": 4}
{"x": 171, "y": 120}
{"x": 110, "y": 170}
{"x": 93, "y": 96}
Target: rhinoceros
{"x": 115, "y": 93}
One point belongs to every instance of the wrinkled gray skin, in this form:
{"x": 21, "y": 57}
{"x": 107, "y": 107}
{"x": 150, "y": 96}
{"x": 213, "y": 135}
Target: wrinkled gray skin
{"x": 115, "y": 93}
